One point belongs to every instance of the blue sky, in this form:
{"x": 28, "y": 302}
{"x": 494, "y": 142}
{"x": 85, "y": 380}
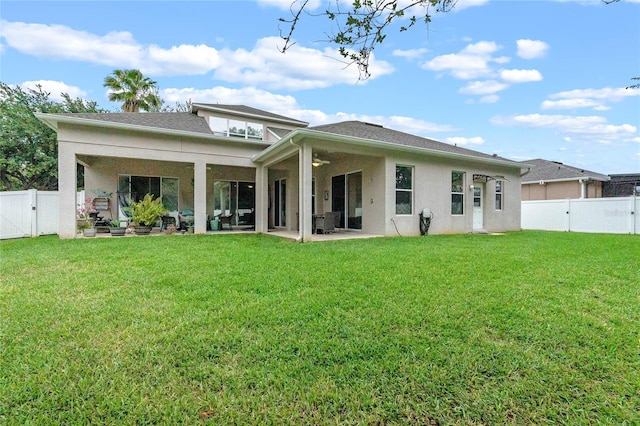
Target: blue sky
{"x": 523, "y": 79}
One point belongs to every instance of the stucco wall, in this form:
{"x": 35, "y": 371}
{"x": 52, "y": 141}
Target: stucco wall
{"x": 432, "y": 189}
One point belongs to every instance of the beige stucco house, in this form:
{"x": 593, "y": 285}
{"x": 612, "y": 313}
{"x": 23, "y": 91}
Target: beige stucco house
{"x": 552, "y": 180}
{"x": 264, "y": 171}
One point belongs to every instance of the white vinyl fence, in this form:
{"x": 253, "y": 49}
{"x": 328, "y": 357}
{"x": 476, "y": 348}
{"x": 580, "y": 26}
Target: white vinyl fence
{"x": 29, "y": 213}
{"x": 620, "y": 215}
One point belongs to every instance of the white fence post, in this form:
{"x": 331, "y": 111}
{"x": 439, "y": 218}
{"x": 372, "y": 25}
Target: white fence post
{"x": 33, "y": 205}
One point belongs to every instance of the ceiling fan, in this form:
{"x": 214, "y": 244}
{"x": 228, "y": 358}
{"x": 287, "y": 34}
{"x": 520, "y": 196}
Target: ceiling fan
{"x": 318, "y": 162}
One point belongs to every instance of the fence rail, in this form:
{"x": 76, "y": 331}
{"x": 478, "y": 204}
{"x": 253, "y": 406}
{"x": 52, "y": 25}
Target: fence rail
{"x": 620, "y": 215}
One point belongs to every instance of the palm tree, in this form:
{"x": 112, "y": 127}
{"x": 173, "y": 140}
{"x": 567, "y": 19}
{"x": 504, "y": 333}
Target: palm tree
{"x": 134, "y": 90}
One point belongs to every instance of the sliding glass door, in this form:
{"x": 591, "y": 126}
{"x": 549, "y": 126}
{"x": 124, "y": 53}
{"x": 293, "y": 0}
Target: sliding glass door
{"x": 136, "y": 187}
{"x": 346, "y": 198}
{"x": 235, "y": 199}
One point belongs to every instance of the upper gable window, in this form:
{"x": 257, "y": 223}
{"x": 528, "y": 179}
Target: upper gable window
{"x": 236, "y": 128}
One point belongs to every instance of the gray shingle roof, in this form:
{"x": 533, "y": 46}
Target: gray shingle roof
{"x": 243, "y": 109}
{"x": 376, "y": 132}
{"x": 552, "y": 170}
{"x": 180, "y": 121}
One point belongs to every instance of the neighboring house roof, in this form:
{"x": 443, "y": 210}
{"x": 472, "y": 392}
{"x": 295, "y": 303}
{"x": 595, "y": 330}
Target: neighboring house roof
{"x": 549, "y": 171}
{"x": 376, "y": 132}
{"x": 245, "y": 111}
{"x": 177, "y": 121}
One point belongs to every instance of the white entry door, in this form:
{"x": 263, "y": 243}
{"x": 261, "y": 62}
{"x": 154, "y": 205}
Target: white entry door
{"x": 478, "y": 206}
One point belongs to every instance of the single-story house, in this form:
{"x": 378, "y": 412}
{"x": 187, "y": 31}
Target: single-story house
{"x": 552, "y": 180}
{"x": 264, "y": 171}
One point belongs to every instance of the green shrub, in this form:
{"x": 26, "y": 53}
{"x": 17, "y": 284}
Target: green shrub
{"x": 147, "y": 211}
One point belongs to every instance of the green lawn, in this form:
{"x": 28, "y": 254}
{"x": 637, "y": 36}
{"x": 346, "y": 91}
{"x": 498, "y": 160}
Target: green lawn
{"x": 523, "y": 328}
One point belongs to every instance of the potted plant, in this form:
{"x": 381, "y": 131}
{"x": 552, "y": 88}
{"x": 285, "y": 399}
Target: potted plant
{"x": 145, "y": 213}
{"x": 87, "y": 228}
{"x": 116, "y": 230}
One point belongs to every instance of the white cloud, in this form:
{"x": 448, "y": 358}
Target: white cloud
{"x": 520, "y": 76}
{"x": 597, "y": 99}
{"x": 471, "y": 62}
{"x": 200, "y": 59}
{"x": 280, "y": 104}
{"x": 461, "y": 141}
{"x": 569, "y": 104}
{"x": 55, "y": 88}
{"x": 483, "y": 87}
{"x": 410, "y": 53}
{"x": 464, "y": 4}
{"x": 582, "y": 128}
{"x": 300, "y": 68}
{"x": 489, "y": 99}
{"x": 531, "y": 49}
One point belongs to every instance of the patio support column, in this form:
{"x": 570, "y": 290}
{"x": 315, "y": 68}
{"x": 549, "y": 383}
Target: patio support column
{"x": 67, "y": 189}
{"x": 305, "y": 185}
{"x": 262, "y": 199}
{"x": 200, "y": 197}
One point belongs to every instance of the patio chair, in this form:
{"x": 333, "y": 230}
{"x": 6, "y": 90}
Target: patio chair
{"x": 325, "y": 224}
{"x": 225, "y": 219}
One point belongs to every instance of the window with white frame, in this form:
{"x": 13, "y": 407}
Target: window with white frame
{"x": 498, "y": 195}
{"x": 236, "y": 128}
{"x": 457, "y": 193}
{"x": 404, "y": 189}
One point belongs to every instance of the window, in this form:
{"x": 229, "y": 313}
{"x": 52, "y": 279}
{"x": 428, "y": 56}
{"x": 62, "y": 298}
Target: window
{"x": 404, "y": 190}
{"x": 136, "y": 187}
{"x": 498, "y": 195}
{"x": 236, "y": 128}
{"x": 457, "y": 193}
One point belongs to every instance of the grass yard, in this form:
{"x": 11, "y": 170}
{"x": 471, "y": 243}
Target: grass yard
{"x": 524, "y": 328}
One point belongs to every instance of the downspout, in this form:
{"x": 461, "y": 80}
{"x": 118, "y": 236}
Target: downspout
{"x": 583, "y": 187}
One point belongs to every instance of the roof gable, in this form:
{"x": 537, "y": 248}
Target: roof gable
{"x": 246, "y": 111}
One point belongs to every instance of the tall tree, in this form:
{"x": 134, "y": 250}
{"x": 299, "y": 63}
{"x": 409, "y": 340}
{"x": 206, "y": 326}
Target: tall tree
{"x": 134, "y": 90}
{"x": 28, "y": 148}
{"x": 361, "y": 27}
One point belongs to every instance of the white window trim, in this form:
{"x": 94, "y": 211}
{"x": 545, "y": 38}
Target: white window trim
{"x": 464, "y": 176}
{"x": 501, "y": 193}
{"x": 406, "y": 190}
